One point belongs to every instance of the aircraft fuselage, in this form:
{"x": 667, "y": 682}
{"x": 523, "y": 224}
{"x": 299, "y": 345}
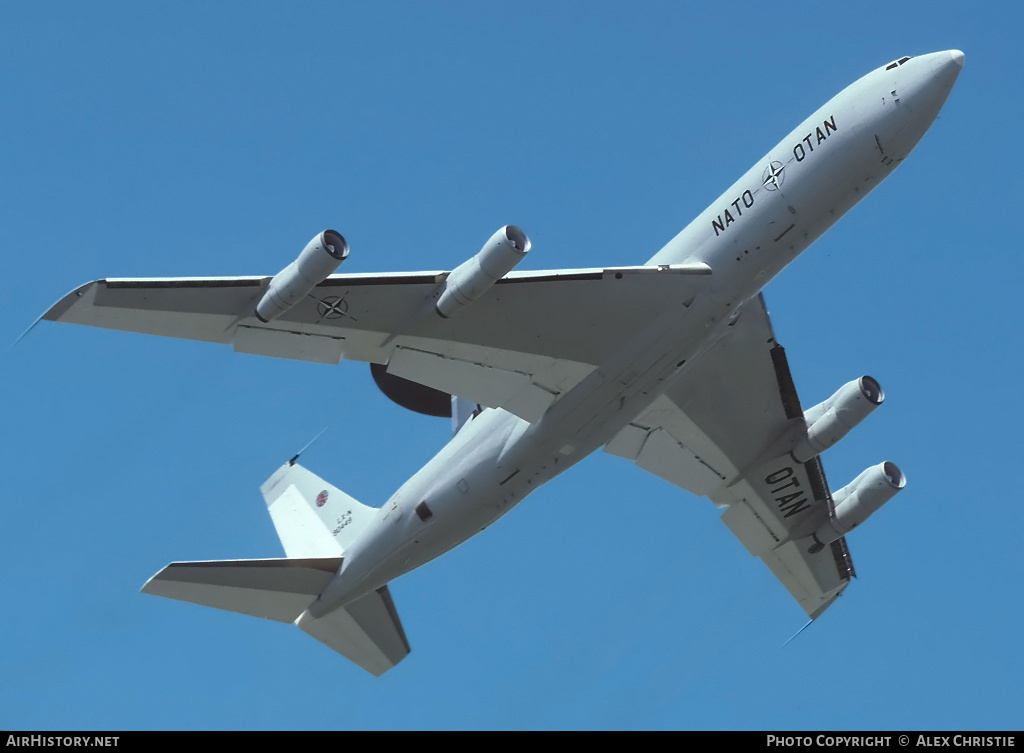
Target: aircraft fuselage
{"x": 746, "y": 236}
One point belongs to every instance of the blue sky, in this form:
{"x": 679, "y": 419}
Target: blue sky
{"x": 180, "y": 139}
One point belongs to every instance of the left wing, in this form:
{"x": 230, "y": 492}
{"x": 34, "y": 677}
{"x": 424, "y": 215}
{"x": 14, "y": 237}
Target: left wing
{"x": 531, "y": 338}
{"x": 725, "y": 431}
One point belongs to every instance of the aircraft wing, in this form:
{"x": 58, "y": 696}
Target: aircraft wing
{"x": 722, "y": 432}
{"x": 530, "y": 339}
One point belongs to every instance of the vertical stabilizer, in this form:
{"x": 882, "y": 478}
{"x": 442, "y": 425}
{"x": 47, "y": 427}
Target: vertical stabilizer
{"x": 463, "y": 411}
{"x": 313, "y": 518}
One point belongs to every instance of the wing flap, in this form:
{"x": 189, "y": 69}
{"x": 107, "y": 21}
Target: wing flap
{"x": 515, "y": 391}
{"x": 282, "y": 343}
{"x": 666, "y": 457}
{"x": 697, "y": 458}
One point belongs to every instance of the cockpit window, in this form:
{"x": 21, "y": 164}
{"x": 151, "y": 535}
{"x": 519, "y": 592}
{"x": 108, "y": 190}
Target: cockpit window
{"x": 901, "y": 61}
{"x": 895, "y": 63}
{"x": 891, "y": 66}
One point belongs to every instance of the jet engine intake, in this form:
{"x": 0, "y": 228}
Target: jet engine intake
{"x": 856, "y": 502}
{"x": 830, "y": 421}
{"x": 318, "y": 260}
{"x": 474, "y": 277}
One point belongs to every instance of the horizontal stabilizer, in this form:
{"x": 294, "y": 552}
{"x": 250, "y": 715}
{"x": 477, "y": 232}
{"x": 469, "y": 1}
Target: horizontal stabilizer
{"x": 366, "y": 632}
{"x": 274, "y": 589}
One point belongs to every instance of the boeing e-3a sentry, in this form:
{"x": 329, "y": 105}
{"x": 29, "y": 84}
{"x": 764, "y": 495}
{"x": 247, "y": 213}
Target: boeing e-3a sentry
{"x": 672, "y": 364}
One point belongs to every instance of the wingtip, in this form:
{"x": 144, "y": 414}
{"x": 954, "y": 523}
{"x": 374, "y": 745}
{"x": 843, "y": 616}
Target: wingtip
{"x": 149, "y": 587}
{"x": 56, "y": 311}
{"x": 62, "y": 306}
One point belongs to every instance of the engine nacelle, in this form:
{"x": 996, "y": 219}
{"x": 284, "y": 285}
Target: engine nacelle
{"x": 318, "y": 259}
{"x": 856, "y": 502}
{"x": 474, "y": 277}
{"x": 830, "y": 421}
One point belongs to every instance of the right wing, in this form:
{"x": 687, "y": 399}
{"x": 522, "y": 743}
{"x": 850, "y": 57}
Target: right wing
{"x": 534, "y": 335}
{"x": 724, "y": 431}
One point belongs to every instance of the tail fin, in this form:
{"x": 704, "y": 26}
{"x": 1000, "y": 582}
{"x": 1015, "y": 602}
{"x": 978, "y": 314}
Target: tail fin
{"x": 313, "y": 518}
{"x": 316, "y": 523}
{"x": 463, "y": 411}
{"x": 366, "y": 632}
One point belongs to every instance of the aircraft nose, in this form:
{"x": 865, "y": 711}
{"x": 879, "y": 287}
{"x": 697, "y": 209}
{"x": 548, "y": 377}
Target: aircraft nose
{"x": 947, "y": 67}
{"x": 940, "y": 72}
{"x": 920, "y": 88}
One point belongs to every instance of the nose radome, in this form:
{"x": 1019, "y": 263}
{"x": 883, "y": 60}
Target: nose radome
{"x": 942, "y": 70}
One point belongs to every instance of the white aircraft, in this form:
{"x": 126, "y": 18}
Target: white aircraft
{"x": 672, "y": 364}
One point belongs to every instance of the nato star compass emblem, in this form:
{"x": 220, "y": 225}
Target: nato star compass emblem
{"x": 773, "y": 175}
{"x": 332, "y": 307}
